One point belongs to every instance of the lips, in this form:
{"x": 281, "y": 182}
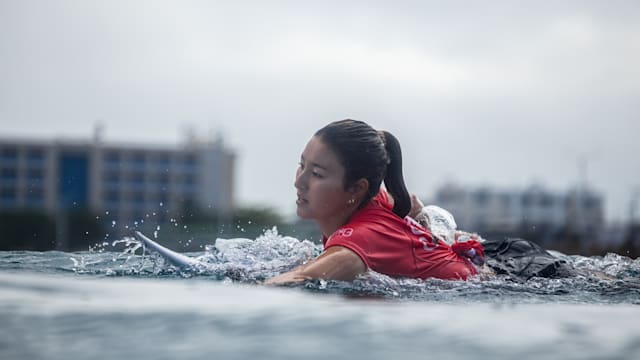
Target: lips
{"x": 301, "y": 200}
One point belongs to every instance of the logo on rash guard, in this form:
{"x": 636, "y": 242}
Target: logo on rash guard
{"x": 346, "y": 232}
{"x": 429, "y": 242}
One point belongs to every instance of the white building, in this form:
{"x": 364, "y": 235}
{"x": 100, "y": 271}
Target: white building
{"x": 508, "y": 211}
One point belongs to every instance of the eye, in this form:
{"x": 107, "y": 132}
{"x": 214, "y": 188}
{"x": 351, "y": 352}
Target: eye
{"x": 316, "y": 174}
{"x": 300, "y": 165}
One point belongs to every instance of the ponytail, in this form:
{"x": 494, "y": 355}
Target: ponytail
{"x": 393, "y": 179}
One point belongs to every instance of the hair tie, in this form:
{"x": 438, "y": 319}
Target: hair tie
{"x": 382, "y": 138}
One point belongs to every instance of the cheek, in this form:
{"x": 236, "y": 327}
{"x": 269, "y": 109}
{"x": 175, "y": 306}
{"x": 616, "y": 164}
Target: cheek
{"x": 332, "y": 194}
{"x": 325, "y": 186}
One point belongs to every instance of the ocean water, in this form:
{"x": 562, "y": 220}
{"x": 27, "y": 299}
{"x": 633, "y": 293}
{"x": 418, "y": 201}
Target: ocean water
{"x": 118, "y": 302}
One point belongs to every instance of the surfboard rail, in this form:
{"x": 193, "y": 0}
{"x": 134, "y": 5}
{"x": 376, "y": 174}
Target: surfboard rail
{"x": 173, "y": 257}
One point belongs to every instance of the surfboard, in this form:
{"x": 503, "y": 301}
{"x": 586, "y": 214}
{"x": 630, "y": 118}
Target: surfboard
{"x": 173, "y": 257}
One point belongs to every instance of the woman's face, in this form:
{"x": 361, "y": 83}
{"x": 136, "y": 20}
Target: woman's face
{"x": 320, "y": 183}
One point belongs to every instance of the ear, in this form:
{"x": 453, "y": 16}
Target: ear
{"x": 359, "y": 189}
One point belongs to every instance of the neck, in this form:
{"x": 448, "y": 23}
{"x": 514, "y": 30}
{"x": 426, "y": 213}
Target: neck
{"x": 330, "y": 225}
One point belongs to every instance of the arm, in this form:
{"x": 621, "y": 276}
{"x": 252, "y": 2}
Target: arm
{"x": 336, "y": 263}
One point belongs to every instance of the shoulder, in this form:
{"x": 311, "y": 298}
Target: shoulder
{"x": 384, "y": 199}
{"x": 350, "y": 232}
{"x": 369, "y": 223}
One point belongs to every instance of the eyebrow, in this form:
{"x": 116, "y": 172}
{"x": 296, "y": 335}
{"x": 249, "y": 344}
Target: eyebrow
{"x": 314, "y": 164}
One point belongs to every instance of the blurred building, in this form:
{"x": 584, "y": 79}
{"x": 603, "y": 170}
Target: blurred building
{"x": 127, "y": 182}
{"x": 534, "y": 209}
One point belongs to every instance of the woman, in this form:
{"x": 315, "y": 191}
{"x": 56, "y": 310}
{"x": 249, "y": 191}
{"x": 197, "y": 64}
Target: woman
{"x": 338, "y": 184}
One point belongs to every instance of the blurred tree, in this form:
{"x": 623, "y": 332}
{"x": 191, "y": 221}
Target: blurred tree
{"x": 84, "y": 230}
{"x": 261, "y": 216}
{"x": 631, "y": 245}
{"x": 26, "y": 230}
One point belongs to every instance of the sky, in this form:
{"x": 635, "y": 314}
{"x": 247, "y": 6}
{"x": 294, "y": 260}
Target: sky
{"x": 480, "y": 93}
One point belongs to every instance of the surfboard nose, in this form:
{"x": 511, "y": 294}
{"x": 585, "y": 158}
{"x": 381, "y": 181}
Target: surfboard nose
{"x": 173, "y": 257}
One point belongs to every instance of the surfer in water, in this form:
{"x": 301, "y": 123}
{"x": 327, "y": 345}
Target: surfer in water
{"x": 366, "y": 225}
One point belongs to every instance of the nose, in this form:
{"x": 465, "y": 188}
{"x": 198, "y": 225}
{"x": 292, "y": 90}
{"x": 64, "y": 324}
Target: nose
{"x": 300, "y": 180}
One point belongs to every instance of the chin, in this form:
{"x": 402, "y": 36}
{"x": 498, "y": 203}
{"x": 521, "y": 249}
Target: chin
{"x": 303, "y": 214}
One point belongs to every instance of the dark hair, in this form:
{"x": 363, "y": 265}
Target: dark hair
{"x": 369, "y": 154}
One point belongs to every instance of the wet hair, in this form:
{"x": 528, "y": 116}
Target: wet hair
{"x": 369, "y": 154}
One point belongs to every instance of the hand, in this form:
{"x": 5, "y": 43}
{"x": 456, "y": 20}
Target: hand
{"x": 335, "y": 263}
{"x": 286, "y": 278}
{"x": 470, "y": 249}
{"x": 465, "y": 236}
{"x": 416, "y": 206}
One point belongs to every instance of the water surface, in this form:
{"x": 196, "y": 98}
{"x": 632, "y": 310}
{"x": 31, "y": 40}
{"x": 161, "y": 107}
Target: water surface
{"x": 105, "y": 304}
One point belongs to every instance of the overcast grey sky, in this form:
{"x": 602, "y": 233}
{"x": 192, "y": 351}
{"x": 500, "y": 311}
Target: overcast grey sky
{"x": 502, "y": 93}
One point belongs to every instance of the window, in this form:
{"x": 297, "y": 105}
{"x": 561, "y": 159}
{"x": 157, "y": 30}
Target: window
{"x": 449, "y": 196}
{"x": 112, "y": 160}
{"x": 190, "y": 160}
{"x": 138, "y": 197}
{"x": 546, "y": 201}
{"x": 163, "y": 161}
{"x": 163, "y": 179}
{"x": 481, "y": 197}
{"x": 137, "y": 179}
{"x": 10, "y": 174}
{"x": 112, "y": 178}
{"x": 35, "y": 198}
{"x": 112, "y": 198}
{"x": 73, "y": 187}
{"x": 138, "y": 159}
{"x": 190, "y": 180}
{"x": 35, "y": 157}
{"x": 591, "y": 203}
{"x": 35, "y": 176}
{"x": 136, "y": 200}
{"x": 8, "y": 154}
{"x": 189, "y": 163}
{"x": 8, "y": 194}
{"x": 112, "y": 157}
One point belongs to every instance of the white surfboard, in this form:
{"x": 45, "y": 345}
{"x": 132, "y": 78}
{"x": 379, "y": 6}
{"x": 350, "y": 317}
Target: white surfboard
{"x": 173, "y": 257}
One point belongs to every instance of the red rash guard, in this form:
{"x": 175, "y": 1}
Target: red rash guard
{"x": 398, "y": 247}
